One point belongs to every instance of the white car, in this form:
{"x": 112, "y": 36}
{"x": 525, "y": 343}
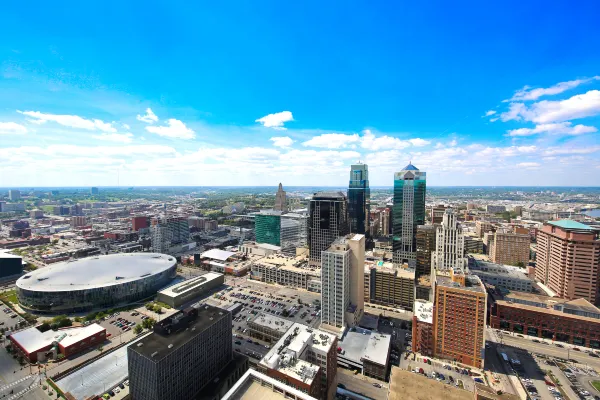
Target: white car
{"x": 117, "y": 390}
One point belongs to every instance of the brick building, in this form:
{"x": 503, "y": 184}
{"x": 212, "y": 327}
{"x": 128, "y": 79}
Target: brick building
{"x": 509, "y": 248}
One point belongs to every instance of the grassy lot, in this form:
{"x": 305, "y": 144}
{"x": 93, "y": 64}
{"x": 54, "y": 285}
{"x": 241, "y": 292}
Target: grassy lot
{"x": 11, "y": 296}
{"x": 596, "y": 385}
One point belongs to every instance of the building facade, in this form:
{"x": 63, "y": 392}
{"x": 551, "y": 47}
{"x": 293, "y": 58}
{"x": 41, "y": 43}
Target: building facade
{"x": 392, "y": 287}
{"x": 408, "y": 212}
{"x": 510, "y": 248}
{"x": 450, "y": 245}
{"x": 328, "y": 220}
{"x": 568, "y": 259}
{"x": 426, "y": 238}
{"x": 168, "y": 232}
{"x": 280, "y": 200}
{"x": 359, "y": 199}
{"x": 483, "y": 227}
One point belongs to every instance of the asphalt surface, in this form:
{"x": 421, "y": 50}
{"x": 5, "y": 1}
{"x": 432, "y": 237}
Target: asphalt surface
{"x": 362, "y": 384}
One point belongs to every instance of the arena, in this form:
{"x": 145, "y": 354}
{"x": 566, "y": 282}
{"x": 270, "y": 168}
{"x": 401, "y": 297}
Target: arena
{"x": 95, "y": 282}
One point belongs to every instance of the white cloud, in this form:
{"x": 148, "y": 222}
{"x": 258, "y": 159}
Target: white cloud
{"x": 371, "y": 142}
{"x": 528, "y": 165}
{"x": 554, "y": 129}
{"x": 332, "y": 141}
{"x": 149, "y": 117}
{"x": 71, "y": 121}
{"x": 527, "y": 93}
{"x": 276, "y": 120}
{"x": 453, "y": 143}
{"x": 115, "y": 137}
{"x": 554, "y": 151}
{"x": 12, "y": 128}
{"x": 490, "y": 112}
{"x": 175, "y": 129}
{"x": 282, "y": 141}
{"x": 126, "y": 126}
{"x": 578, "y": 106}
{"x": 418, "y": 142}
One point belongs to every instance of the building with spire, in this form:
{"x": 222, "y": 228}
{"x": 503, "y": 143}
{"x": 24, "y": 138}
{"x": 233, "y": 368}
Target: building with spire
{"x": 450, "y": 245}
{"x": 408, "y": 212}
{"x": 358, "y": 198}
{"x": 280, "y": 200}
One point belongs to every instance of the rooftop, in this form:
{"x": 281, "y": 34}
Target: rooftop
{"x": 568, "y": 224}
{"x": 255, "y": 385}
{"x": 272, "y": 322}
{"x": 362, "y": 344}
{"x": 190, "y": 284}
{"x": 97, "y": 271}
{"x": 32, "y": 340}
{"x": 158, "y": 345}
{"x": 489, "y": 268}
{"x": 217, "y": 254}
{"x": 472, "y": 283}
{"x": 329, "y": 196}
{"x": 410, "y": 167}
{"x": 406, "y": 385}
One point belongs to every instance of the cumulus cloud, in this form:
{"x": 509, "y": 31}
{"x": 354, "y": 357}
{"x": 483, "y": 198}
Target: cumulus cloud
{"x": 554, "y": 151}
{"x": 490, "y": 112}
{"x": 282, "y": 141}
{"x": 368, "y": 141}
{"x": 115, "y": 137}
{"x": 12, "y": 128}
{"x": 418, "y": 142}
{"x": 71, "y": 121}
{"x": 149, "y": 117}
{"x": 527, "y": 93}
{"x": 554, "y": 129}
{"x": 372, "y": 142}
{"x": 528, "y": 165}
{"x": 174, "y": 129}
{"x": 276, "y": 120}
{"x": 332, "y": 141}
{"x": 543, "y": 112}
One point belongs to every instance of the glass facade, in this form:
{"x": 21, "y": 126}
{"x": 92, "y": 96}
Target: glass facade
{"x": 328, "y": 220}
{"x": 359, "y": 198}
{"x": 268, "y": 229}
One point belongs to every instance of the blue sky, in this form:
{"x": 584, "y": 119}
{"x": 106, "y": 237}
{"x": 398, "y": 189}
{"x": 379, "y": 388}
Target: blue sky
{"x": 254, "y": 93}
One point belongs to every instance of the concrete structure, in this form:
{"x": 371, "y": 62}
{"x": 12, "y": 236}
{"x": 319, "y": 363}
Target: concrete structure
{"x": 168, "y": 232}
{"x": 510, "y": 248}
{"x": 450, "y": 245}
{"x": 139, "y": 222}
{"x": 459, "y": 318}
{"x": 95, "y": 282}
{"x": 390, "y": 285}
{"x": 255, "y": 385}
{"x": 285, "y": 270}
{"x": 36, "y": 214}
{"x": 426, "y": 238}
{"x": 408, "y": 213}
{"x": 366, "y": 351}
{"x": 422, "y": 328}
{"x": 186, "y": 291}
{"x": 405, "y": 385}
{"x": 572, "y": 321}
{"x": 268, "y": 327}
{"x": 35, "y": 345}
{"x": 328, "y": 220}
{"x": 342, "y": 287}
{"x": 259, "y": 249}
{"x": 492, "y": 209}
{"x": 436, "y": 214}
{"x": 473, "y": 245}
{"x": 359, "y": 196}
{"x": 482, "y": 227}
{"x": 78, "y": 220}
{"x": 14, "y": 195}
{"x": 304, "y": 358}
{"x": 504, "y": 277}
{"x": 288, "y": 231}
{"x": 280, "y": 200}
{"x": 11, "y": 266}
{"x": 182, "y": 356}
{"x": 568, "y": 259}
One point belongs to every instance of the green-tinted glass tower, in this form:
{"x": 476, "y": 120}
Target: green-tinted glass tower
{"x": 267, "y": 227}
{"x": 358, "y": 198}
{"x": 408, "y": 212}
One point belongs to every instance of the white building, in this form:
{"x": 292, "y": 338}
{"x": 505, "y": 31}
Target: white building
{"x": 450, "y": 245}
{"x": 502, "y": 276}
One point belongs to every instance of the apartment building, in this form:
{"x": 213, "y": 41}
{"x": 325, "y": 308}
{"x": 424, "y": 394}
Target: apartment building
{"x": 568, "y": 259}
{"x": 482, "y": 227}
{"x": 285, "y": 270}
{"x": 391, "y": 286}
{"x": 509, "y": 248}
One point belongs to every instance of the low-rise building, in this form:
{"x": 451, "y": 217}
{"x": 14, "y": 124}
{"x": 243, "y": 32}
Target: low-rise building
{"x": 365, "y": 351}
{"x": 286, "y": 270}
{"x": 255, "y": 385}
{"x": 505, "y": 277}
{"x": 191, "y": 289}
{"x": 268, "y": 327}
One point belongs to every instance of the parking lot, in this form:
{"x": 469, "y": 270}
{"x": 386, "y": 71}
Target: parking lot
{"x": 444, "y": 372}
{"x": 8, "y": 318}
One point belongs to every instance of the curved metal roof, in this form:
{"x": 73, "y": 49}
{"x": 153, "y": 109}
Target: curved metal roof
{"x": 94, "y": 272}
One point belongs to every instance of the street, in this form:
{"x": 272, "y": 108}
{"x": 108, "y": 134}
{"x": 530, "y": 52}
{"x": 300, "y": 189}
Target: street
{"x": 362, "y": 384}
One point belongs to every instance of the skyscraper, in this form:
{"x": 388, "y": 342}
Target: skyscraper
{"x": 280, "y": 200}
{"x": 358, "y": 198}
{"x": 426, "y": 235}
{"x": 407, "y": 213}
{"x": 328, "y": 220}
{"x": 450, "y": 245}
{"x": 167, "y": 232}
{"x": 342, "y": 281}
{"x": 287, "y": 230}
{"x": 14, "y": 195}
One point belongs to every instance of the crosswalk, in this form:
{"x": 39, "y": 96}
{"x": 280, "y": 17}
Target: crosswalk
{"x": 22, "y": 392}
{"x": 3, "y": 388}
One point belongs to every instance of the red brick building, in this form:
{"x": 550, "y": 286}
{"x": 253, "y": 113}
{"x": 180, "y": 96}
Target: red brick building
{"x": 138, "y": 223}
{"x": 422, "y": 328}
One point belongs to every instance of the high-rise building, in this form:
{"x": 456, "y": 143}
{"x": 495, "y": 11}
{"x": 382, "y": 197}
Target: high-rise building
{"x": 509, "y": 248}
{"x": 483, "y": 227}
{"x": 280, "y": 200}
{"x": 183, "y": 354}
{"x": 385, "y": 218}
{"x": 459, "y": 318}
{"x": 408, "y": 213}
{"x": 359, "y": 198}
{"x": 568, "y": 259}
{"x": 391, "y": 286}
{"x": 426, "y": 236}
{"x": 94, "y": 190}
{"x": 436, "y": 214}
{"x": 342, "y": 282}
{"x": 78, "y": 220}
{"x": 167, "y": 232}
{"x": 286, "y": 230}
{"x": 450, "y": 245}
{"x": 14, "y": 195}
{"x": 328, "y": 220}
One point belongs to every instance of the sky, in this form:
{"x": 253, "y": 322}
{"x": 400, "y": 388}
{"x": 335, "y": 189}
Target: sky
{"x": 261, "y": 92}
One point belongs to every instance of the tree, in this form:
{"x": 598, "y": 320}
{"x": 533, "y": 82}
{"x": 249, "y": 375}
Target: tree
{"x": 138, "y": 329}
{"x": 157, "y": 309}
{"x": 44, "y": 327}
{"x": 149, "y": 306}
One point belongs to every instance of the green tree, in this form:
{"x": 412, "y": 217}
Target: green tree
{"x": 138, "y": 329}
{"x": 44, "y": 327}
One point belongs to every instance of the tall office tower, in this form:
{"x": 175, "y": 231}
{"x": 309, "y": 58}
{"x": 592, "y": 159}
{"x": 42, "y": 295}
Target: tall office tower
{"x": 408, "y": 212}
{"x": 359, "y": 198}
{"x": 450, "y": 245}
{"x": 342, "y": 282}
{"x": 426, "y": 236}
{"x": 167, "y": 232}
{"x": 287, "y": 230}
{"x": 328, "y": 220}
{"x": 280, "y": 200}
{"x": 14, "y": 195}
{"x": 183, "y": 355}
{"x": 385, "y": 224}
{"x": 94, "y": 191}
{"x": 568, "y": 259}
{"x": 509, "y": 248}
{"x": 459, "y": 318}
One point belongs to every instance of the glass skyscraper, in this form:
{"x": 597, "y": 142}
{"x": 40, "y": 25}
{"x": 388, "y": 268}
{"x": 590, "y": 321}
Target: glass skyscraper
{"x": 267, "y": 227}
{"x": 328, "y": 220}
{"x": 358, "y": 198}
{"x": 408, "y": 212}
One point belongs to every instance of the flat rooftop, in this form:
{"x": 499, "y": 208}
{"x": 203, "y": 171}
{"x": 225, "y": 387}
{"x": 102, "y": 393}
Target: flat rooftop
{"x": 272, "y": 322}
{"x": 255, "y": 385}
{"x": 472, "y": 283}
{"x": 406, "y": 385}
{"x": 190, "y": 284}
{"x": 157, "y": 346}
{"x": 489, "y": 268}
{"x": 571, "y": 225}
{"x": 217, "y": 254}
{"x": 363, "y": 344}
{"x": 33, "y": 340}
